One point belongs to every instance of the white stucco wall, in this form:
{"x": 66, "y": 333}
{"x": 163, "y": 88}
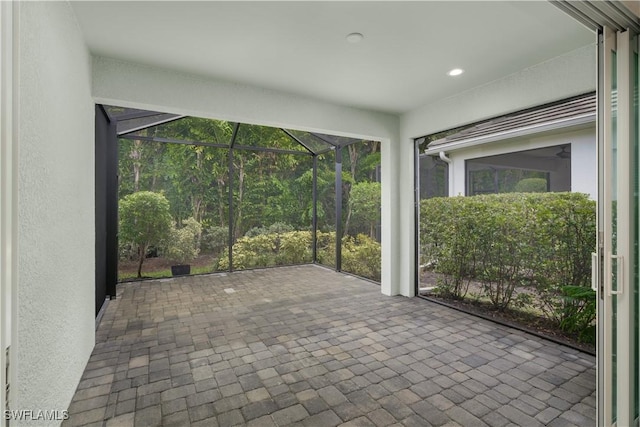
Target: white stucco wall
{"x": 584, "y": 164}
{"x": 55, "y": 301}
{"x": 583, "y": 158}
{"x": 8, "y": 189}
{"x": 140, "y": 86}
{"x": 568, "y": 75}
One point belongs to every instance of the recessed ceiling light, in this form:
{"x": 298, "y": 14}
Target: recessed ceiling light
{"x": 455, "y": 72}
{"x": 354, "y": 37}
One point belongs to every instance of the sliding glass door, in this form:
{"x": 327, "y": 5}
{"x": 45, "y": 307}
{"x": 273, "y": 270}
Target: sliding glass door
{"x": 618, "y": 209}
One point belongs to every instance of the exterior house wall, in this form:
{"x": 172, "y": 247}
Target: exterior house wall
{"x": 584, "y": 165}
{"x": 568, "y": 75}
{"x": 54, "y": 317}
{"x": 583, "y": 159}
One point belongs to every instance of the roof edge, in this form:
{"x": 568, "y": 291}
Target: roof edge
{"x": 501, "y": 136}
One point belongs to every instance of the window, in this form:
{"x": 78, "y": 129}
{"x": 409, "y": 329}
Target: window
{"x": 540, "y": 170}
{"x": 434, "y": 177}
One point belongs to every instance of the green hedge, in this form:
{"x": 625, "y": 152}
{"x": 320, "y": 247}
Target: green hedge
{"x": 264, "y": 250}
{"x": 539, "y": 242}
{"x": 360, "y": 255}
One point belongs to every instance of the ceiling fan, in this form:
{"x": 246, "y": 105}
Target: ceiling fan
{"x": 564, "y": 154}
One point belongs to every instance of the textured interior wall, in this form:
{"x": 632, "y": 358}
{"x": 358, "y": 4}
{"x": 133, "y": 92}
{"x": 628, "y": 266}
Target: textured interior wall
{"x": 567, "y": 75}
{"x": 7, "y": 181}
{"x": 55, "y": 307}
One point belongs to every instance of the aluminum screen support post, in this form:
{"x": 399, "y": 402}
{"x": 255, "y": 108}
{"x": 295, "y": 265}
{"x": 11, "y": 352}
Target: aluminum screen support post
{"x": 314, "y": 229}
{"x": 338, "y": 208}
{"x": 231, "y": 144}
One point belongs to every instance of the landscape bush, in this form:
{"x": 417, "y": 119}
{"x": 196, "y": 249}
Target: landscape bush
{"x": 275, "y": 228}
{"x": 579, "y": 306}
{"x": 145, "y": 221}
{"x": 539, "y": 242}
{"x": 214, "y": 239}
{"x": 449, "y": 239}
{"x": 360, "y": 254}
{"x": 326, "y": 246}
{"x": 183, "y": 244}
{"x": 263, "y": 250}
{"x": 563, "y": 252}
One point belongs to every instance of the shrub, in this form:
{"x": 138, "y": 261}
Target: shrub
{"x": 360, "y": 254}
{"x": 505, "y": 245}
{"x": 183, "y": 245}
{"x": 275, "y": 228}
{"x": 579, "y": 312}
{"x": 364, "y": 206}
{"x": 531, "y": 185}
{"x": 326, "y": 247}
{"x": 539, "y": 240}
{"x": 262, "y": 250}
{"x": 565, "y": 243}
{"x": 294, "y": 248}
{"x": 145, "y": 220}
{"x": 214, "y": 239}
{"x": 449, "y": 241}
{"x": 127, "y": 251}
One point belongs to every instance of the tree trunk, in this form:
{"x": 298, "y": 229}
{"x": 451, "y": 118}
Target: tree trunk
{"x": 238, "y": 231}
{"x": 142, "y": 252}
{"x": 221, "y": 184}
{"x": 375, "y": 145}
{"x": 197, "y": 206}
{"x": 347, "y": 221}
{"x": 353, "y": 157}
{"x": 136, "y": 156}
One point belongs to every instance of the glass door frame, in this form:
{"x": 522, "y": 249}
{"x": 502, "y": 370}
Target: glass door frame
{"x": 617, "y": 256}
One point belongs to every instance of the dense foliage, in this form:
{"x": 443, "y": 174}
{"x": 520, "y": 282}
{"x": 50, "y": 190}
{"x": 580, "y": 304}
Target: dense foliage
{"x": 269, "y": 192}
{"x": 524, "y": 248}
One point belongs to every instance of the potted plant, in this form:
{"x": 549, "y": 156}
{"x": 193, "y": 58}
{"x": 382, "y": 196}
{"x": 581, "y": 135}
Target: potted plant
{"x": 183, "y": 246}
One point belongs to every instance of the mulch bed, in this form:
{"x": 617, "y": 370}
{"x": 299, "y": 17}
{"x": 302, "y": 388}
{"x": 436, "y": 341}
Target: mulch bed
{"x": 512, "y": 317}
{"x": 159, "y": 264}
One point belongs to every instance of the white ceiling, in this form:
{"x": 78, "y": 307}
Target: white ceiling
{"x": 300, "y": 47}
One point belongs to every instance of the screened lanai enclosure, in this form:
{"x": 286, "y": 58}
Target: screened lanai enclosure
{"x": 243, "y": 196}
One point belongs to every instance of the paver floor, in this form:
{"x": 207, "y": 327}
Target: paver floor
{"x": 308, "y": 346}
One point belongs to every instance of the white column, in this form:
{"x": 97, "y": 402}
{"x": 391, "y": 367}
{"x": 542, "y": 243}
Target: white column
{"x": 406, "y": 212}
{"x": 390, "y": 171}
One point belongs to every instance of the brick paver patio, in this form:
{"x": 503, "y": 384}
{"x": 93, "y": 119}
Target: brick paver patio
{"x": 308, "y": 346}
